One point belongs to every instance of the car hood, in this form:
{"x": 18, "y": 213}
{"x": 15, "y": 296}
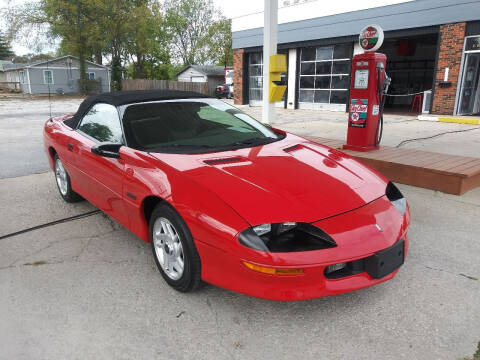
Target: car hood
{"x": 289, "y": 180}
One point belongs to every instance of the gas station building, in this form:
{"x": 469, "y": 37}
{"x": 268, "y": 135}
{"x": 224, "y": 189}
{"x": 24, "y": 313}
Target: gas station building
{"x": 432, "y": 49}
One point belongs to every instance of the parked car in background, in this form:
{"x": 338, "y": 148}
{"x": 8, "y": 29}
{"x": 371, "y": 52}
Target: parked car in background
{"x": 224, "y": 91}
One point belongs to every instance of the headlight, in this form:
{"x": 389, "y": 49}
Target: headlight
{"x": 277, "y": 228}
{"x": 262, "y": 229}
{"x": 396, "y": 198}
{"x": 285, "y": 237}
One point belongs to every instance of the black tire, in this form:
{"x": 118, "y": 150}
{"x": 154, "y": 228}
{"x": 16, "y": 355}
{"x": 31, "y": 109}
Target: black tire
{"x": 190, "y": 280}
{"x": 69, "y": 196}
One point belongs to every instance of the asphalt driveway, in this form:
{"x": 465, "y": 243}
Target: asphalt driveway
{"x": 21, "y": 131}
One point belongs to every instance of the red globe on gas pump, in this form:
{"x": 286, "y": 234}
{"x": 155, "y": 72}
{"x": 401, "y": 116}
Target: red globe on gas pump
{"x": 369, "y": 84}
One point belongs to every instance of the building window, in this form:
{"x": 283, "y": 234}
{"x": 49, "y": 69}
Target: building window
{"x": 21, "y": 76}
{"x": 91, "y": 76}
{"x": 47, "y": 77}
{"x": 469, "y": 102}
{"x": 325, "y": 74}
{"x": 255, "y": 76}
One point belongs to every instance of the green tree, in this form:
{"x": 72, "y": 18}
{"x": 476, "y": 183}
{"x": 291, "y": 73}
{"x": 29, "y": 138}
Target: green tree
{"x": 140, "y": 35}
{"x": 115, "y": 24}
{"x": 187, "y": 23}
{"x": 31, "y": 58}
{"x": 148, "y": 45}
{"x": 74, "y": 22}
{"x": 220, "y": 42}
{"x": 144, "y": 38}
{"x": 117, "y": 71}
{"x": 5, "y": 52}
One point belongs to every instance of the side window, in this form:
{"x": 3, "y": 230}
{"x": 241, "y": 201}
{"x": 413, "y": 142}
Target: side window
{"x": 102, "y": 123}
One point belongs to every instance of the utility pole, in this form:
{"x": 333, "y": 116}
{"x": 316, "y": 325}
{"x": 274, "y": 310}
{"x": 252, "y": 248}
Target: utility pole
{"x": 270, "y": 28}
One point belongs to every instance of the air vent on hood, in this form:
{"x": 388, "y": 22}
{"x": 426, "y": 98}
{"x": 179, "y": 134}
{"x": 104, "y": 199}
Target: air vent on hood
{"x": 223, "y": 161}
{"x": 293, "y": 148}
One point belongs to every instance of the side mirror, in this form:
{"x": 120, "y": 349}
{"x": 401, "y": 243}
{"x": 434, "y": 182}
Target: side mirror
{"x": 106, "y": 149}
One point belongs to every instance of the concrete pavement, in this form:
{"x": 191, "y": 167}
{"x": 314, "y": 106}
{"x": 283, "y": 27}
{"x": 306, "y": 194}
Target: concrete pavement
{"x": 90, "y": 289}
{"x": 448, "y": 138}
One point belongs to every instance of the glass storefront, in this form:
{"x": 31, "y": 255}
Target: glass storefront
{"x": 325, "y": 77}
{"x": 255, "y": 78}
{"x": 469, "y": 100}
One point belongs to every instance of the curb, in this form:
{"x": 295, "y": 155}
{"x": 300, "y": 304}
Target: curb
{"x": 456, "y": 120}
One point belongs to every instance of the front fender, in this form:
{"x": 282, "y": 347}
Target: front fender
{"x": 208, "y": 217}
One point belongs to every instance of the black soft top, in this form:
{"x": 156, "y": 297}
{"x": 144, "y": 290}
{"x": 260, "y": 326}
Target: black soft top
{"x": 118, "y": 98}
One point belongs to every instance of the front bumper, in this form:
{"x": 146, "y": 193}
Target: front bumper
{"x": 358, "y": 238}
{"x": 312, "y": 284}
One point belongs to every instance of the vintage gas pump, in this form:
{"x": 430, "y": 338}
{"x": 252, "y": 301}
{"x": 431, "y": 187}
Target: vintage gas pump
{"x": 369, "y": 84}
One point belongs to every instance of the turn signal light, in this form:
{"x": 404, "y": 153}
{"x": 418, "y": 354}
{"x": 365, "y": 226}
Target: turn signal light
{"x": 273, "y": 271}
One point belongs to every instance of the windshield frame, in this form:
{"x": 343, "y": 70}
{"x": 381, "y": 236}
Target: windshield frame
{"x": 193, "y": 149}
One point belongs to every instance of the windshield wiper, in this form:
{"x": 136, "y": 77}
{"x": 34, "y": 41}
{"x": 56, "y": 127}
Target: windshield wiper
{"x": 180, "y": 148}
{"x": 199, "y": 146}
{"x": 254, "y": 142}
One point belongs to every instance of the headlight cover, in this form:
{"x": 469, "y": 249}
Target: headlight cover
{"x": 285, "y": 237}
{"x": 396, "y": 198}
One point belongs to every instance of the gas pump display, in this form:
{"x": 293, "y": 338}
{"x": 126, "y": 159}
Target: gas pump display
{"x": 361, "y": 79}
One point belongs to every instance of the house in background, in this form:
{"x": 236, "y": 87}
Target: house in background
{"x": 5, "y": 83}
{"x": 59, "y": 75}
{"x": 212, "y": 74}
{"x": 3, "y": 76}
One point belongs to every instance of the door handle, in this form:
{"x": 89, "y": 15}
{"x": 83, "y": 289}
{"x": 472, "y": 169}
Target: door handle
{"x": 70, "y": 147}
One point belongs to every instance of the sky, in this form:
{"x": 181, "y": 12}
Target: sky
{"x": 235, "y": 8}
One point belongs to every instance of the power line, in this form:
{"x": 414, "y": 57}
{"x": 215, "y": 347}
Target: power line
{"x": 60, "y": 221}
{"x": 436, "y": 135}
{"x": 280, "y": 7}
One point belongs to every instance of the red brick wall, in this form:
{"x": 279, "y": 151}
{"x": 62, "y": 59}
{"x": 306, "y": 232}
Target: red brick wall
{"x": 450, "y": 55}
{"x": 238, "y": 76}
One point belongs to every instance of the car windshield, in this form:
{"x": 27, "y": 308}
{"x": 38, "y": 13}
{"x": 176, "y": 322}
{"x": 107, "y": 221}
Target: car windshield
{"x": 192, "y": 126}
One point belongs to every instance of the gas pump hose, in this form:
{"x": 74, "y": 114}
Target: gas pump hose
{"x": 381, "y": 100}
{"x": 379, "y": 131}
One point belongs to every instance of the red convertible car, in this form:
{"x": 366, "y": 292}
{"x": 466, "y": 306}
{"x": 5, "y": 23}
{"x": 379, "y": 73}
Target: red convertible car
{"x": 227, "y": 200}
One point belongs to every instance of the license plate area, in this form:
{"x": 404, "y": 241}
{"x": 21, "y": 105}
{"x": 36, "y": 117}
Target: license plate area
{"x": 386, "y": 261}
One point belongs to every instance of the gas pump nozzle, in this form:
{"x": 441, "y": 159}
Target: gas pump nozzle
{"x": 386, "y": 84}
{"x": 386, "y": 81}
